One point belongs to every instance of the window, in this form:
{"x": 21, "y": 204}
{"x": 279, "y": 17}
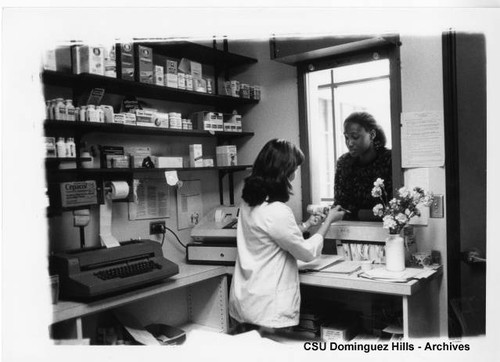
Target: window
{"x": 330, "y": 89}
{"x": 333, "y": 94}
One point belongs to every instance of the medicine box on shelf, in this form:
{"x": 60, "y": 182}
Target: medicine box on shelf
{"x": 226, "y": 155}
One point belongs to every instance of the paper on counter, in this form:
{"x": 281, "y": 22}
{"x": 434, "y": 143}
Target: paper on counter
{"x": 391, "y": 276}
{"x": 319, "y": 263}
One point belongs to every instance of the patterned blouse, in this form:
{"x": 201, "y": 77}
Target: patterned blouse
{"x": 354, "y": 182}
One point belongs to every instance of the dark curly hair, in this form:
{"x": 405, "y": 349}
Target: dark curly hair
{"x": 271, "y": 171}
{"x": 368, "y": 122}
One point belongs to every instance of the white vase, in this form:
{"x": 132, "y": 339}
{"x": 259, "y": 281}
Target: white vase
{"x": 395, "y": 253}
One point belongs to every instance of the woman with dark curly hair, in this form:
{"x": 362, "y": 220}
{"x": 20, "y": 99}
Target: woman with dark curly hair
{"x": 265, "y": 287}
{"x": 357, "y": 170}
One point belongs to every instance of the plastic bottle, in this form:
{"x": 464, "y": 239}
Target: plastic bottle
{"x": 70, "y": 147}
{"x": 92, "y": 115}
{"x": 60, "y": 110}
{"x": 83, "y": 114}
{"x": 61, "y": 147}
{"x": 77, "y": 114}
{"x": 100, "y": 114}
{"x": 70, "y": 110}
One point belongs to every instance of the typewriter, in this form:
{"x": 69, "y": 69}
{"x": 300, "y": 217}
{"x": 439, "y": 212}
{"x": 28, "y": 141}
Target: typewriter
{"x": 94, "y": 272}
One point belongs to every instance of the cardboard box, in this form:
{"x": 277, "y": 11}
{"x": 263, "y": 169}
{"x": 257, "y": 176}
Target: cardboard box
{"x": 110, "y": 61}
{"x": 235, "y": 88}
{"x": 107, "y": 152}
{"x": 181, "y": 81}
{"x": 244, "y": 90}
{"x": 119, "y": 118}
{"x": 189, "y": 82}
{"x": 200, "y": 85}
{"x": 160, "y": 119}
{"x": 143, "y": 64}
{"x": 171, "y": 79}
{"x": 208, "y": 162}
{"x": 88, "y": 59}
{"x": 143, "y": 116}
{"x": 159, "y": 75}
{"x": 167, "y": 162}
{"x": 226, "y": 155}
{"x": 210, "y": 86}
{"x": 195, "y": 155}
{"x": 118, "y": 161}
{"x": 137, "y": 155}
{"x": 255, "y": 92}
{"x": 130, "y": 118}
{"x": 125, "y": 62}
{"x": 339, "y": 330}
{"x": 208, "y": 121}
{"x": 49, "y": 60}
{"x": 63, "y": 59}
{"x": 196, "y": 72}
{"x": 232, "y": 123}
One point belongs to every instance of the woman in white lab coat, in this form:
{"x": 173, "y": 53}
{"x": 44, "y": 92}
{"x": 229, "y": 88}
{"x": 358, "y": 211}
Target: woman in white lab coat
{"x": 265, "y": 289}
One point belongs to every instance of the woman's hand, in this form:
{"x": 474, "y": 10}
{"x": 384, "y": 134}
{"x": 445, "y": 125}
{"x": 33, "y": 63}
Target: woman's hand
{"x": 335, "y": 214}
{"x": 314, "y": 220}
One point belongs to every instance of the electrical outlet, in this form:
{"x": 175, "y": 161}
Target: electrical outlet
{"x": 156, "y": 227}
{"x": 437, "y": 207}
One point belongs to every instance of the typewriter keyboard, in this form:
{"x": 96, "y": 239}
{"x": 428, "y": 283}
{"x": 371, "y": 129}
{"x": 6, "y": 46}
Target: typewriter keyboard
{"x": 129, "y": 270}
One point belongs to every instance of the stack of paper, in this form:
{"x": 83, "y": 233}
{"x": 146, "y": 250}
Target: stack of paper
{"x": 344, "y": 267}
{"x": 319, "y": 263}
{"x": 399, "y": 277}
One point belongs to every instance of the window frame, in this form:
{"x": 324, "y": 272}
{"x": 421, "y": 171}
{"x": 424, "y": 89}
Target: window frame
{"x": 388, "y": 51}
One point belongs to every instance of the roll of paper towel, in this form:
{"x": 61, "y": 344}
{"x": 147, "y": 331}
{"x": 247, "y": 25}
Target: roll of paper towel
{"x": 119, "y": 190}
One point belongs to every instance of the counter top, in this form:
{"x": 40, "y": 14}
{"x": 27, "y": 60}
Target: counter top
{"x": 191, "y": 274}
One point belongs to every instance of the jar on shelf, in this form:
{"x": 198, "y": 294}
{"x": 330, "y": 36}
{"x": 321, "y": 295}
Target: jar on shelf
{"x": 60, "y": 110}
{"x": 82, "y": 117}
{"x": 70, "y": 110}
{"x": 77, "y": 114}
{"x": 92, "y": 114}
{"x": 70, "y": 147}
{"x": 100, "y": 114}
{"x": 61, "y": 147}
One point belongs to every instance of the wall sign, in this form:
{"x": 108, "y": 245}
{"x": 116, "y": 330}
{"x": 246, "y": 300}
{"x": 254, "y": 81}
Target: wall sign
{"x": 79, "y": 193}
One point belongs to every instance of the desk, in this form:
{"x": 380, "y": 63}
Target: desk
{"x": 197, "y": 298}
{"x": 420, "y": 298}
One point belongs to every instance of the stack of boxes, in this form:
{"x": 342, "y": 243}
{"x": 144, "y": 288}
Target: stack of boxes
{"x": 208, "y": 121}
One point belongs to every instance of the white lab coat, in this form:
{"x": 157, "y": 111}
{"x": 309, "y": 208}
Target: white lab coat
{"x": 265, "y": 286}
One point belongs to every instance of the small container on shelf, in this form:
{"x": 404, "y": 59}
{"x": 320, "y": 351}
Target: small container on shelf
{"x": 60, "y": 110}
{"x": 69, "y": 110}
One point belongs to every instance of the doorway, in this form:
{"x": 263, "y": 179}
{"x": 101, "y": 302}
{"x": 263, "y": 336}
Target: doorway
{"x": 464, "y": 63}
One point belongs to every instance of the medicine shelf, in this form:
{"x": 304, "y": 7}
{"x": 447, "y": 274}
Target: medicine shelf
{"x": 127, "y": 87}
{"x": 114, "y": 171}
{"x": 57, "y": 160}
{"x": 197, "y": 52}
{"x": 92, "y": 127}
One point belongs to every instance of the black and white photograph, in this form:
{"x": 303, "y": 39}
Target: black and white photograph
{"x": 212, "y": 182}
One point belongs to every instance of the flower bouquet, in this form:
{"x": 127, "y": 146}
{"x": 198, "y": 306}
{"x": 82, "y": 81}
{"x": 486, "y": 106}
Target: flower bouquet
{"x": 397, "y": 212}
